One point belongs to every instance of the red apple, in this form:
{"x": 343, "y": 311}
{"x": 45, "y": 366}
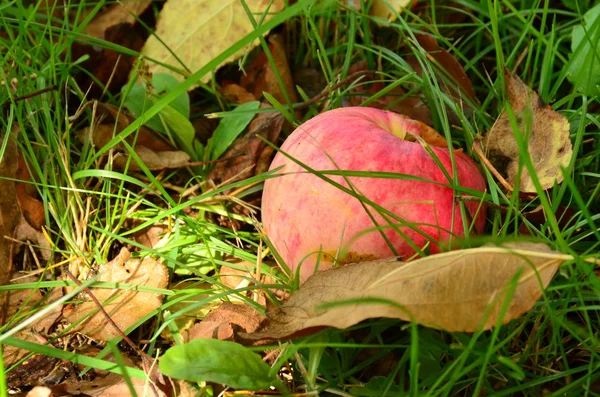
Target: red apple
{"x": 309, "y": 221}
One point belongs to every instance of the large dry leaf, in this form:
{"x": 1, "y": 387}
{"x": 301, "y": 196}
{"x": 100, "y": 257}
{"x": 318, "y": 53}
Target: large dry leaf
{"x": 128, "y": 306}
{"x": 457, "y": 291}
{"x": 118, "y": 13}
{"x": 549, "y": 143}
{"x": 203, "y": 31}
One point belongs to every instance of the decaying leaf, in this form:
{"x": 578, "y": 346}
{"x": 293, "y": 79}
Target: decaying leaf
{"x": 260, "y": 76}
{"x": 186, "y": 38}
{"x": 126, "y": 306}
{"x": 226, "y": 322}
{"x": 9, "y": 209}
{"x": 237, "y": 94}
{"x": 459, "y": 291}
{"x": 124, "y": 12}
{"x": 154, "y": 161}
{"x": 249, "y": 155}
{"x": 547, "y": 137}
{"x": 22, "y": 303}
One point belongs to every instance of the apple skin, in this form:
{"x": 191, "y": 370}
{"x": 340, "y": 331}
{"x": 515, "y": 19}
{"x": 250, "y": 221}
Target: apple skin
{"x": 303, "y": 214}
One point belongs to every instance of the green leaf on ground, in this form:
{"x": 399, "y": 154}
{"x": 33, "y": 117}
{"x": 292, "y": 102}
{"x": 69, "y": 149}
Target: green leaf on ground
{"x": 212, "y": 360}
{"x": 231, "y": 126}
{"x": 585, "y": 67}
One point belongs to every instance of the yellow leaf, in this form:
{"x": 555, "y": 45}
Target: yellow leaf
{"x": 381, "y": 9}
{"x": 549, "y": 142}
{"x": 196, "y": 31}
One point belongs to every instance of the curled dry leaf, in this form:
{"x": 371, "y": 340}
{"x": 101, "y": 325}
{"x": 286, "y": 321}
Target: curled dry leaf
{"x": 124, "y": 12}
{"x": 126, "y": 306}
{"x": 548, "y": 139}
{"x": 459, "y": 291}
{"x": 184, "y": 39}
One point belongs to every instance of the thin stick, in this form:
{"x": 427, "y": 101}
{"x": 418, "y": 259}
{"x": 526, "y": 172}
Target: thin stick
{"x": 484, "y": 160}
{"x": 36, "y": 93}
{"x": 110, "y": 320}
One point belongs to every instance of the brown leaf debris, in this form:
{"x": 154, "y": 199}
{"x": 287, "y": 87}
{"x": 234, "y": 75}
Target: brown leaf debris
{"x": 128, "y": 306}
{"x": 547, "y": 137}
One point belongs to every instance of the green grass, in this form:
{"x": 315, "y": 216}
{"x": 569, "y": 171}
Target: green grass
{"x": 93, "y": 209}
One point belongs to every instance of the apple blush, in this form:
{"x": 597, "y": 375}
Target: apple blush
{"x": 313, "y": 224}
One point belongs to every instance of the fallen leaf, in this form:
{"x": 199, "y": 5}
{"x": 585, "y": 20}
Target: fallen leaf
{"x": 388, "y": 9}
{"x": 31, "y": 207}
{"x": 226, "y": 322}
{"x": 155, "y": 161}
{"x": 151, "y": 236}
{"x": 549, "y": 143}
{"x": 124, "y": 12}
{"x": 451, "y": 75}
{"x": 584, "y": 69}
{"x": 152, "y": 150}
{"x": 260, "y": 75}
{"x": 459, "y": 291}
{"x": 9, "y": 209}
{"x": 129, "y": 305}
{"x": 249, "y": 155}
{"x": 235, "y": 93}
{"x": 118, "y": 120}
{"x": 186, "y": 38}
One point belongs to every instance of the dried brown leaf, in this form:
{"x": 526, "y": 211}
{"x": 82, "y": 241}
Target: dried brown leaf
{"x": 237, "y": 94}
{"x": 451, "y": 75}
{"x": 549, "y": 142}
{"x": 459, "y": 291}
{"x": 124, "y": 12}
{"x": 155, "y": 161}
{"x": 128, "y": 306}
{"x": 226, "y": 322}
{"x": 260, "y": 75}
{"x": 9, "y": 209}
{"x": 249, "y": 155}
